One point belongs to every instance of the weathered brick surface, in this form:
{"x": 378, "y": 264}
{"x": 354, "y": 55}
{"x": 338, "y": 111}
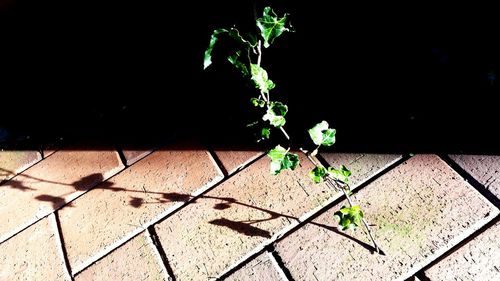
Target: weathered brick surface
{"x": 484, "y": 168}
{"x": 136, "y": 260}
{"x": 13, "y": 162}
{"x": 479, "y": 259}
{"x": 206, "y": 237}
{"x": 33, "y": 254}
{"x": 232, "y": 160}
{"x": 420, "y": 209}
{"x": 121, "y": 207}
{"x": 50, "y": 184}
{"x": 260, "y": 268}
{"x": 132, "y": 156}
{"x": 361, "y": 165}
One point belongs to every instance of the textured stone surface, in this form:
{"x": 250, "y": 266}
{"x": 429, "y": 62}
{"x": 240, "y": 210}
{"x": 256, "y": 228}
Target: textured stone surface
{"x": 260, "y": 268}
{"x": 50, "y": 184}
{"x": 419, "y": 209}
{"x": 361, "y": 165}
{"x": 33, "y": 255}
{"x": 136, "y": 260}
{"x": 132, "y": 156}
{"x": 479, "y": 259}
{"x": 484, "y": 168}
{"x": 206, "y": 237}
{"x": 121, "y": 207}
{"x": 13, "y": 162}
{"x": 232, "y": 160}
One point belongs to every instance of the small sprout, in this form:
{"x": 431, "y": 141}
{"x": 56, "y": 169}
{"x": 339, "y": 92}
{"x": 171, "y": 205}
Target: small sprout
{"x": 265, "y": 133}
{"x": 258, "y": 102}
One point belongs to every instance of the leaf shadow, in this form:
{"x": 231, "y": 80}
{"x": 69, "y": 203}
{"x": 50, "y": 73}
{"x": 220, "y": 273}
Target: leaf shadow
{"x": 241, "y": 227}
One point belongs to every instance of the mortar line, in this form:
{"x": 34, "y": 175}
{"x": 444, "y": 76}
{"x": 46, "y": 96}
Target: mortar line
{"x": 56, "y": 224}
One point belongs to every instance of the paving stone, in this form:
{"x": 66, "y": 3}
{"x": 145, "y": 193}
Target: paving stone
{"x": 233, "y": 160}
{"x": 206, "y": 237}
{"x": 361, "y": 165}
{"x": 420, "y": 209}
{"x": 48, "y": 152}
{"x": 132, "y": 156}
{"x": 260, "y": 268}
{"x": 118, "y": 209}
{"x": 479, "y": 259}
{"x": 33, "y": 254}
{"x": 484, "y": 168}
{"x": 14, "y": 162}
{"x": 51, "y": 184}
{"x": 136, "y": 260}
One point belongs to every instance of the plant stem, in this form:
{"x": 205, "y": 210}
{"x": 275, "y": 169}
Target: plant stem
{"x": 332, "y": 183}
{"x": 264, "y": 96}
{"x": 365, "y": 223}
{"x": 335, "y": 184}
{"x": 259, "y": 53}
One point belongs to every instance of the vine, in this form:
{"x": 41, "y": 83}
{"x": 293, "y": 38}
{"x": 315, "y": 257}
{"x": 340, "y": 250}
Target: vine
{"x": 272, "y": 26}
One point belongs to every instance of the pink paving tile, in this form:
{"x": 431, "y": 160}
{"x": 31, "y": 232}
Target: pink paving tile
{"x": 233, "y": 160}
{"x": 132, "y": 156}
{"x": 484, "y": 168}
{"x": 14, "y": 162}
{"x": 138, "y": 259}
{"x": 51, "y": 184}
{"x": 261, "y": 267}
{"x": 34, "y": 254}
{"x": 420, "y": 209}
{"x": 116, "y": 210}
{"x": 361, "y": 165}
{"x": 479, "y": 259}
{"x": 235, "y": 219}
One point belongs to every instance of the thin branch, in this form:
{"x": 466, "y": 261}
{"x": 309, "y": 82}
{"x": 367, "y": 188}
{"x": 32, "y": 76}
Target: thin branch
{"x": 259, "y": 53}
{"x": 337, "y": 185}
{"x": 284, "y": 133}
{"x": 331, "y": 182}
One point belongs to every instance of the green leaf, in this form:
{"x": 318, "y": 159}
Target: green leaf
{"x": 281, "y": 159}
{"x": 279, "y": 108}
{"x": 276, "y": 114}
{"x": 342, "y": 174}
{"x": 349, "y": 218}
{"x": 234, "y": 59}
{"x": 317, "y": 174}
{"x": 271, "y": 26}
{"x": 322, "y": 135}
{"x": 235, "y": 34}
{"x": 208, "y": 52}
{"x": 328, "y": 137}
{"x": 277, "y": 154}
{"x": 265, "y": 133}
{"x": 258, "y": 102}
{"x": 259, "y": 77}
{"x": 290, "y": 162}
{"x": 275, "y": 167}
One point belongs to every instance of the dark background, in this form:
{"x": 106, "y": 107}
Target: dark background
{"x": 390, "y": 78}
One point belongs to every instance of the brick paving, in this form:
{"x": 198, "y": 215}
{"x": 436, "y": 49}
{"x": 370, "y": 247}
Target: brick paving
{"x": 263, "y": 267}
{"x": 191, "y": 214}
{"x": 51, "y": 184}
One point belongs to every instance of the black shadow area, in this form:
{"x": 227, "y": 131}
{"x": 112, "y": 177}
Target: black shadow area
{"x": 391, "y": 79}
